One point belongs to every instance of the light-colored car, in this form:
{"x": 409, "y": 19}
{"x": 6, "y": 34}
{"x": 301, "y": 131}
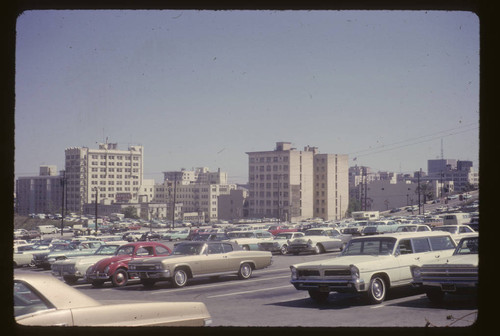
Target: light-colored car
{"x": 371, "y": 265}
{"x": 175, "y": 235}
{"x": 74, "y": 268}
{"x": 319, "y": 240}
{"x": 458, "y": 274}
{"x": 457, "y": 231}
{"x": 249, "y": 240}
{"x": 413, "y": 228}
{"x": 23, "y": 259}
{"x": 199, "y": 259}
{"x": 280, "y": 242}
{"x": 74, "y": 249}
{"x": 43, "y": 300}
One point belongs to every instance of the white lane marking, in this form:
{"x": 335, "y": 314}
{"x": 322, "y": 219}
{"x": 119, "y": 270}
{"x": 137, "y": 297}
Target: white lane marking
{"x": 211, "y": 286}
{"x": 246, "y": 292}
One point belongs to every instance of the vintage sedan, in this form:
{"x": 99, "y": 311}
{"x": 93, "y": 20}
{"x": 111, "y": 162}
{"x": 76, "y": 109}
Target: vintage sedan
{"x": 371, "y": 265}
{"x": 75, "y": 268}
{"x": 457, "y": 231}
{"x": 319, "y": 240}
{"x": 199, "y": 259}
{"x": 458, "y": 274}
{"x": 43, "y": 300}
{"x": 249, "y": 240}
{"x": 60, "y": 250}
{"x": 280, "y": 242}
{"x": 115, "y": 268}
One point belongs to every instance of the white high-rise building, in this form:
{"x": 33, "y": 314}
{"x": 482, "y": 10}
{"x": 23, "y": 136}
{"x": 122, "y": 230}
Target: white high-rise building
{"x": 107, "y": 174}
{"x": 293, "y": 185}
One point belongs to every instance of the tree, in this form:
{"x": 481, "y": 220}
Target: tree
{"x": 354, "y": 205}
{"x": 130, "y": 212}
{"x": 425, "y": 190}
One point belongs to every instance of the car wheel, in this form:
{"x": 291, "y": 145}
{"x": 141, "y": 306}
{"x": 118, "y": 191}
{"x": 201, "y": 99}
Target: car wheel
{"x": 376, "y": 290}
{"x": 245, "y": 271}
{"x": 180, "y": 278}
{"x": 71, "y": 280}
{"x": 284, "y": 249}
{"x": 119, "y": 278}
{"x": 148, "y": 283}
{"x": 435, "y": 296}
{"x": 318, "y": 296}
{"x": 97, "y": 283}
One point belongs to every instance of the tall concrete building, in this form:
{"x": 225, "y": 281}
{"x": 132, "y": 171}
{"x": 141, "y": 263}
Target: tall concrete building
{"x": 107, "y": 174}
{"x": 293, "y": 185}
{"x": 41, "y": 194}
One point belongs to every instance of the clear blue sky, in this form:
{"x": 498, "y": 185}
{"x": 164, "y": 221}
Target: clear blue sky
{"x": 201, "y": 88}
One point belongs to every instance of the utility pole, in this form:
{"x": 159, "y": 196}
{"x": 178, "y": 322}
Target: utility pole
{"x": 63, "y": 186}
{"x": 418, "y": 188}
{"x": 173, "y": 206}
{"x": 96, "y": 197}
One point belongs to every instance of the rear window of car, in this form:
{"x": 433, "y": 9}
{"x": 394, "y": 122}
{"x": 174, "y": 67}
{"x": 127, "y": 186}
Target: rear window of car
{"x": 441, "y": 243}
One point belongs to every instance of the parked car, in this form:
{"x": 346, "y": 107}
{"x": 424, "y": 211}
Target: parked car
{"x": 457, "y": 231}
{"x": 175, "y": 235}
{"x": 115, "y": 268}
{"x": 59, "y": 249}
{"x": 413, "y": 228}
{"x": 210, "y": 237}
{"x": 275, "y": 229}
{"x": 371, "y": 265}
{"x": 73, "y": 249}
{"x": 249, "y": 240}
{"x": 459, "y": 274}
{"x": 21, "y": 259}
{"x": 199, "y": 259}
{"x": 319, "y": 240}
{"x": 42, "y": 300}
{"x": 150, "y": 236}
{"x": 75, "y": 268}
{"x": 280, "y": 242}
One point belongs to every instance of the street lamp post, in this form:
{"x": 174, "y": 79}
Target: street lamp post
{"x": 96, "y": 197}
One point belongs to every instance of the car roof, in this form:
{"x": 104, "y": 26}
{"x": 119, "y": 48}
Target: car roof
{"x": 58, "y": 293}
{"x": 402, "y": 235}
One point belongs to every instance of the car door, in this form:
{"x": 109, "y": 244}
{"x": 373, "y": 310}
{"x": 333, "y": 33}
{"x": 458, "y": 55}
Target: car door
{"x": 406, "y": 256}
{"x": 214, "y": 259}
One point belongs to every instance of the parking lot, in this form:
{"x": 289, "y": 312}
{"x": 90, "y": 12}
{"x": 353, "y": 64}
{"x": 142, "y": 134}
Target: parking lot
{"x": 269, "y": 300}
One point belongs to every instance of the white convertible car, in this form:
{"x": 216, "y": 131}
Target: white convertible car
{"x": 43, "y": 300}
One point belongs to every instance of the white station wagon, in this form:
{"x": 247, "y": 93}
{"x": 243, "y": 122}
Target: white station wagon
{"x": 372, "y": 264}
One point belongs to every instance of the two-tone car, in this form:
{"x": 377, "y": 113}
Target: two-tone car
{"x": 74, "y": 268}
{"x": 371, "y": 265}
{"x": 249, "y": 240}
{"x": 458, "y": 274}
{"x": 115, "y": 268}
{"x": 43, "y": 300}
{"x": 193, "y": 259}
{"x": 280, "y": 242}
{"x": 319, "y": 240}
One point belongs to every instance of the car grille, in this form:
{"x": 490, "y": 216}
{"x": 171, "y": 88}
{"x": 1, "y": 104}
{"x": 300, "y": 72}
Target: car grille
{"x": 457, "y": 273}
{"x": 308, "y": 273}
{"x": 339, "y": 272}
{"x": 145, "y": 268}
{"x": 64, "y": 268}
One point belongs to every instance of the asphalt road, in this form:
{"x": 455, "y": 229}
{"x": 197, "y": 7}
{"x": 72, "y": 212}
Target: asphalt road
{"x": 269, "y": 300}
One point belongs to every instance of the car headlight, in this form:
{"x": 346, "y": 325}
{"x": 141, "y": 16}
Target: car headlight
{"x": 158, "y": 267}
{"x": 354, "y": 272}
{"x": 415, "y": 272}
{"x": 51, "y": 260}
{"x": 131, "y": 267}
{"x": 294, "y": 273}
{"x": 106, "y": 270}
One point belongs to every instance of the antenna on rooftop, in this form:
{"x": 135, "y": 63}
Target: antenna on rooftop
{"x": 442, "y": 154}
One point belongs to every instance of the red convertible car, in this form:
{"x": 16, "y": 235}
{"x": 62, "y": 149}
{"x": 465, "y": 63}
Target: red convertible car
{"x": 115, "y": 268}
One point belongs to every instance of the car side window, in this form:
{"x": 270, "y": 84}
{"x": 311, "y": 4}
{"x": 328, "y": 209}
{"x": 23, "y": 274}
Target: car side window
{"x": 421, "y": 245}
{"x": 215, "y": 249}
{"x": 441, "y": 243}
{"x": 26, "y": 301}
{"x": 227, "y": 248}
{"x": 404, "y": 246}
{"x": 464, "y": 229}
{"x": 160, "y": 250}
{"x": 145, "y": 250}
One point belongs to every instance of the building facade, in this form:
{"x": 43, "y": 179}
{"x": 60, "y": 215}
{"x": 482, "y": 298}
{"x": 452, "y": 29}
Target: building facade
{"x": 41, "y": 194}
{"x": 290, "y": 185}
{"x": 106, "y": 174}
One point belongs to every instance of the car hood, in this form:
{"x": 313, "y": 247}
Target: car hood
{"x": 81, "y": 260}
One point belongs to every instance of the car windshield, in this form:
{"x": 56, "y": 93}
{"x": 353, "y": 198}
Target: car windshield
{"x": 284, "y": 236}
{"x": 188, "y": 249}
{"x": 450, "y": 229}
{"x": 314, "y": 233}
{"x": 106, "y": 250}
{"x": 408, "y": 228}
{"x": 125, "y": 250}
{"x": 468, "y": 246}
{"x": 373, "y": 246}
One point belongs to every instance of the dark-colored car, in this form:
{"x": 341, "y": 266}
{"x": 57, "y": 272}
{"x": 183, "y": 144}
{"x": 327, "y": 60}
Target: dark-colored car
{"x": 115, "y": 268}
{"x": 210, "y": 237}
